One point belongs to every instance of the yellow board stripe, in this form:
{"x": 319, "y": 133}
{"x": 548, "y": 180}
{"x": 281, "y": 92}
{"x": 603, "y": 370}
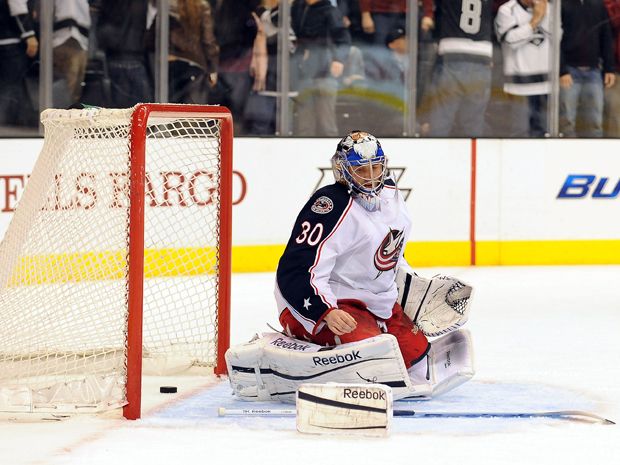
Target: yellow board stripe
{"x": 97, "y": 266}
{"x": 457, "y": 253}
{"x": 260, "y": 258}
{"x": 184, "y": 261}
{"x": 192, "y": 261}
{"x": 256, "y": 258}
{"x": 585, "y": 252}
{"x": 438, "y": 253}
{"x": 62, "y": 268}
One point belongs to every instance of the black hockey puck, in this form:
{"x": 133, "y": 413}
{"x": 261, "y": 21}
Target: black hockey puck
{"x": 167, "y": 389}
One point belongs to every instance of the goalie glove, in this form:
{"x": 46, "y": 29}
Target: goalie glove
{"x": 437, "y": 305}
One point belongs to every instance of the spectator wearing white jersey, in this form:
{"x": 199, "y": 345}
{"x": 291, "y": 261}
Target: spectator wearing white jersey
{"x": 524, "y": 31}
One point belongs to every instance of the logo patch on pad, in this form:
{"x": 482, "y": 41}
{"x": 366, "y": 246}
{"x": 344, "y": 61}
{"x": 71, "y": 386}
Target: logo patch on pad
{"x": 322, "y": 205}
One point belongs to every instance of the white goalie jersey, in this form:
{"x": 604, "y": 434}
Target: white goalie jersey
{"x": 339, "y": 250}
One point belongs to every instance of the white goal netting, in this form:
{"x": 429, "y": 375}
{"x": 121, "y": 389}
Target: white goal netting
{"x": 64, "y": 261}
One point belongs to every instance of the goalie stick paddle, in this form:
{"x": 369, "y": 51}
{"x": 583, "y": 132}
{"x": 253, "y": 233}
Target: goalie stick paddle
{"x": 558, "y": 415}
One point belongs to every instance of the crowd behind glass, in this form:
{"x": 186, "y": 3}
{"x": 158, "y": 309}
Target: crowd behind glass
{"x": 437, "y": 68}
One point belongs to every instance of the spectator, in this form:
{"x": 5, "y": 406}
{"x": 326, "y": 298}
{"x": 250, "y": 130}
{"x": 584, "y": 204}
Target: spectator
{"x": 523, "y": 29}
{"x": 386, "y": 73}
{"x": 18, "y": 43}
{"x": 121, "y": 33}
{"x": 323, "y": 45}
{"x": 194, "y": 53}
{"x": 587, "y": 42}
{"x": 354, "y": 73}
{"x": 235, "y": 30}
{"x": 352, "y": 18}
{"x": 395, "y": 56}
{"x": 260, "y": 109}
{"x": 612, "y": 93}
{"x": 379, "y": 17}
{"x": 462, "y": 75}
{"x": 70, "y": 40}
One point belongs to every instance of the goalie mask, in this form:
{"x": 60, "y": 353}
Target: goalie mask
{"x": 360, "y": 164}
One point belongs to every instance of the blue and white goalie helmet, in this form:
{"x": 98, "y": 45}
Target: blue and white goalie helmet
{"x": 360, "y": 164}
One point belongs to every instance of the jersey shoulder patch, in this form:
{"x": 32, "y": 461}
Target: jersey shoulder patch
{"x": 328, "y": 201}
{"x": 322, "y": 205}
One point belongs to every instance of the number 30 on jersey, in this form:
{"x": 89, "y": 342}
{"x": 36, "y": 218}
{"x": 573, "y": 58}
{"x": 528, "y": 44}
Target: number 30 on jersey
{"x": 309, "y": 234}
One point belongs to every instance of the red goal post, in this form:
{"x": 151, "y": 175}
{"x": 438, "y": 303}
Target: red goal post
{"x": 139, "y": 125}
{"x": 118, "y": 257}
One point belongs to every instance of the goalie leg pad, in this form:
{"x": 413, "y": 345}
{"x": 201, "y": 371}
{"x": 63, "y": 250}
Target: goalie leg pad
{"x": 448, "y": 364}
{"x": 336, "y": 408}
{"x": 451, "y": 361}
{"x": 272, "y": 367}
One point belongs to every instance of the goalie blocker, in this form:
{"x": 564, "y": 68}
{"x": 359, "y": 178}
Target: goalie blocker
{"x": 273, "y": 366}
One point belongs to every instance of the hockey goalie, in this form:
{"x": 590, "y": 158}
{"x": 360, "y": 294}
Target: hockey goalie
{"x": 351, "y": 308}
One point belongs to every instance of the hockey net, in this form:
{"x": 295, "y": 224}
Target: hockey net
{"x": 118, "y": 252}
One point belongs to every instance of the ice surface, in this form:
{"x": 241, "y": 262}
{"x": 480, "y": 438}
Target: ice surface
{"x": 545, "y": 338}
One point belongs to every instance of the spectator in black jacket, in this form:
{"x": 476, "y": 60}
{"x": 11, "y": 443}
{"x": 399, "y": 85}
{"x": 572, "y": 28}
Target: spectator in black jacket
{"x": 612, "y": 94}
{"x": 235, "y": 30}
{"x": 17, "y": 44}
{"x": 323, "y": 45}
{"x": 121, "y": 33}
{"x": 587, "y": 44}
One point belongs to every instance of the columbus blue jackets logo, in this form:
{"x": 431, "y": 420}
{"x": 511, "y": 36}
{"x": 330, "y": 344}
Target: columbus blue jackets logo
{"x": 386, "y": 256}
{"x": 322, "y": 205}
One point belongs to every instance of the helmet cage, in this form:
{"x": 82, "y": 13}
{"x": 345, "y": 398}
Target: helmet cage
{"x": 362, "y": 183}
{"x": 355, "y": 162}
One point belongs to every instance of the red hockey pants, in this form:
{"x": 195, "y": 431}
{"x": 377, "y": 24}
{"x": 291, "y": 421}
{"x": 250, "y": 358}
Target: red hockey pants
{"x": 412, "y": 342}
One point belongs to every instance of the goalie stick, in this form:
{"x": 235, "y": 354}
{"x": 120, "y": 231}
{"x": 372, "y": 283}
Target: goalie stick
{"x": 572, "y": 415}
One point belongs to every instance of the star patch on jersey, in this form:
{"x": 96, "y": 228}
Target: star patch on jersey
{"x": 386, "y": 256}
{"x": 322, "y": 205}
